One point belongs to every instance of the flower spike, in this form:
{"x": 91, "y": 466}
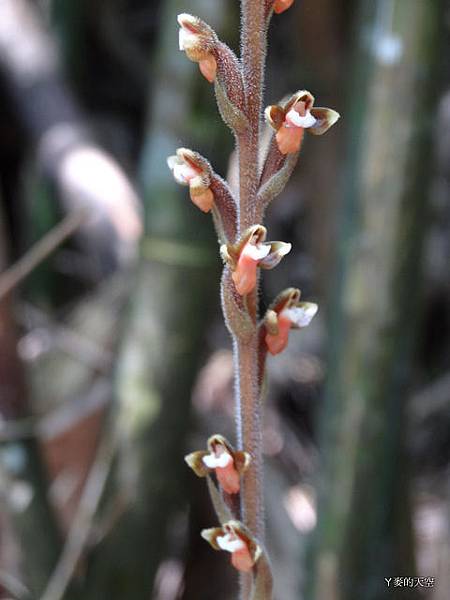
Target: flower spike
{"x": 249, "y": 253}
{"x": 227, "y": 463}
{"x": 233, "y": 537}
{"x": 286, "y": 313}
{"x": 298, "y": 114}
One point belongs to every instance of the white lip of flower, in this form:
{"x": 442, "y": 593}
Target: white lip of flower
{"x": 230, "y": 543}
{"x": 301, "y": 316}
{"x": 186, "y": 39}
{"x": 256, "y": 251}
{"x": 212, "y": 461}
{"x": 294, "y": 119}
{"x": 181, "y": 172}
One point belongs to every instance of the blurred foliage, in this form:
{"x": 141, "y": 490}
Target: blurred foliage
{"x": 357, "y": 210}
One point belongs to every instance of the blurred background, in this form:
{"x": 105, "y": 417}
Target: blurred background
{"x": 114, "y": 360}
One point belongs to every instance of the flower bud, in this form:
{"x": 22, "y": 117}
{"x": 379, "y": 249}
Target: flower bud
{"x": 187, "y": 169}
{"x": 198, "y": 40}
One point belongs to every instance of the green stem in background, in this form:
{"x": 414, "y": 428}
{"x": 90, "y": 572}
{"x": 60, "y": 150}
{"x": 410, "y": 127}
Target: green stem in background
{"x": 363, "y": 503}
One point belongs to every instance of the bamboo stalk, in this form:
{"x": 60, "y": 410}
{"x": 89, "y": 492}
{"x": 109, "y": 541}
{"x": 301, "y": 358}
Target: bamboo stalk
{"x": 363, "y": 508}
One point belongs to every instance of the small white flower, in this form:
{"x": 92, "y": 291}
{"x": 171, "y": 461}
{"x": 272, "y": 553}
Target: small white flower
{"x": 294, "y": 119}
{"x": 230, "y": 543}
{"x": 212, "y": 461}
{"x": 301, "y": 315}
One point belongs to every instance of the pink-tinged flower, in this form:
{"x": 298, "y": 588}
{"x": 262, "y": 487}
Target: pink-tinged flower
{"x": 240, "y": 554}
{"x": 280, "y": 6}
{"x": 244, "y": 276}
{"x": 285, "y": 314}
{"x": 187, "y": 170}
{"x": 198, "y": 40}
{"x": 249, "y": 253}
{"x": 234, "y": 538}
{"x": 221, "y": 458}
{"x": 298, "y": 114}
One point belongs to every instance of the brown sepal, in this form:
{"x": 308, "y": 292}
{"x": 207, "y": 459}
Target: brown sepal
{"x": 285, "y": 299}
{"x": 326, "y": 118}
{"x": 194, "y": 460}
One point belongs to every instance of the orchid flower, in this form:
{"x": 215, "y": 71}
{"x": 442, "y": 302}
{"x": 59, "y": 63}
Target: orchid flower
{"x": 187, "y": 171}
{"x": 234, "y": 538}
{"x": 220, "y": 458}
{"x": 287, "y": 313}
{"x": 249, "y": 253}
{"x": 298, "y": 114}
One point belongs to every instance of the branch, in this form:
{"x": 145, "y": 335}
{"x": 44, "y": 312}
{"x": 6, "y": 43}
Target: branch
{"x": 81, "y": 528}
{"x": 15, "y": 274}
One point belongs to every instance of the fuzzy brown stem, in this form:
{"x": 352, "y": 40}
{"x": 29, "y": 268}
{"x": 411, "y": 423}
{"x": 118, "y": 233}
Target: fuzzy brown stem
{"x": 249, "y": 431}
{"x": 249, "y": 418}
{"x": 253, "y": 49}
{"x": 248, "y": 400}
{"x": 248, "y": 405}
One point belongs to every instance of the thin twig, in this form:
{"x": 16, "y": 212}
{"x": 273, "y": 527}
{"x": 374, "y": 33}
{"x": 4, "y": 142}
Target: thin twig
{"x": 15, "y": 587}
{"x": 10, "y": 278}
{"x": 63, "y": 337}
{"x": 82, "y": 524}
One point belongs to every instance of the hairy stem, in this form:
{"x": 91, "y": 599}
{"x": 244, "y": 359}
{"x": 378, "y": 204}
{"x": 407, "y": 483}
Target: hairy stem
{"x": 248, "y": 402}
{"x": 253, "y": 45}
{"x": 249, "y": 418}
{"x": 249, "y": 426}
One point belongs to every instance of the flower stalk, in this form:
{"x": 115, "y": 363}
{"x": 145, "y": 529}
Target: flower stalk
{"x": 253, "y": 47}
